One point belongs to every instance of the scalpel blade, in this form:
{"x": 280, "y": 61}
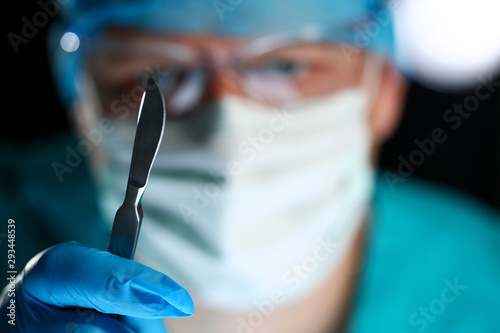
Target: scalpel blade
{"x": 148, "y": 135}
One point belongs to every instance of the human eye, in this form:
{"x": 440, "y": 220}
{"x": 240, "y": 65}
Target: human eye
{"x": 286, "y": 68}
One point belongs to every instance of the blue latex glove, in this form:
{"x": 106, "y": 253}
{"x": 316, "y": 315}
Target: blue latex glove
{"x": 61, "y": 288}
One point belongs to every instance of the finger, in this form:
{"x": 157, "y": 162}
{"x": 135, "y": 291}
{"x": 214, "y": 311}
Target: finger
{"x": 71, "y": 274}
{"x": 141, "y": 325}
{"x": 79, "y": 320}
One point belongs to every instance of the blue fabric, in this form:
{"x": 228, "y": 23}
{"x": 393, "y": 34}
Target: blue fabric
{"x": 226, "y": 18}
{"x": 366, "y": 24}
{"x": 429, "y": 248}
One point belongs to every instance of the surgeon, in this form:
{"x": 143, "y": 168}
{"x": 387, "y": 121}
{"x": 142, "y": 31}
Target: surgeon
{"x": 264, "y": 202}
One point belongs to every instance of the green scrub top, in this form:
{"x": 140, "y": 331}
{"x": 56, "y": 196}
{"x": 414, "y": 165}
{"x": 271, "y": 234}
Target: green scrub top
{"x": 48, "y": 207}
{"x": 431, "y": 261}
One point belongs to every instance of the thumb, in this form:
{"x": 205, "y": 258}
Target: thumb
{"x": 71, "y": 274}
{"x": 141, "y": 325}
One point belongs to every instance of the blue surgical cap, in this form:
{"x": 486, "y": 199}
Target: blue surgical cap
{"x": 364, "y": 24}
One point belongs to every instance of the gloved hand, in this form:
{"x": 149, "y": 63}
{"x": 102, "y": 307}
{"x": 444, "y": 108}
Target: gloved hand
{"x": 61, "y": 288}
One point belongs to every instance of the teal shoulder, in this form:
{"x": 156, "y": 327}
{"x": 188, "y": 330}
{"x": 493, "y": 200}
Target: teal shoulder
{"x": 47, "y": 189}
{"x": 432, "y": 262}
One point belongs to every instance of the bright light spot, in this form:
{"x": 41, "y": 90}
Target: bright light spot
{"x": 70, "y": 42}
{"x": 449, "y": 42}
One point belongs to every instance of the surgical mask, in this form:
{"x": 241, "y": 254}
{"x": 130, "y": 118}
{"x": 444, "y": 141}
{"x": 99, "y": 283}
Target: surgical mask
{"x": 245, "y": 200}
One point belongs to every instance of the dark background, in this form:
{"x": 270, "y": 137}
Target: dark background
{"x": 468, "y": 160}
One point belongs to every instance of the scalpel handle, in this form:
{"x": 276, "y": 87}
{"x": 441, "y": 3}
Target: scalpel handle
{"x": 127, "y": 224}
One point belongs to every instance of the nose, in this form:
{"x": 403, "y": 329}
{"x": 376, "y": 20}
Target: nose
{"x": 220, "y": 83}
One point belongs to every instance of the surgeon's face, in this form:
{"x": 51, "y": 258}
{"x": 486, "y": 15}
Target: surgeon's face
{"x": 195, "y": 70}
{"x": 314, "y": 178}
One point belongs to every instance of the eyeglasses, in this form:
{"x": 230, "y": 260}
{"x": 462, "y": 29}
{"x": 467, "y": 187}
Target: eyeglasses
{"x": 272, "y": 69}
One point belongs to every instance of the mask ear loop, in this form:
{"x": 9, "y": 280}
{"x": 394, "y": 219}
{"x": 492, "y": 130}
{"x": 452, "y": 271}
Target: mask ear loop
{"x": 372, "y": 75}
{"x": 370, "y": 84}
